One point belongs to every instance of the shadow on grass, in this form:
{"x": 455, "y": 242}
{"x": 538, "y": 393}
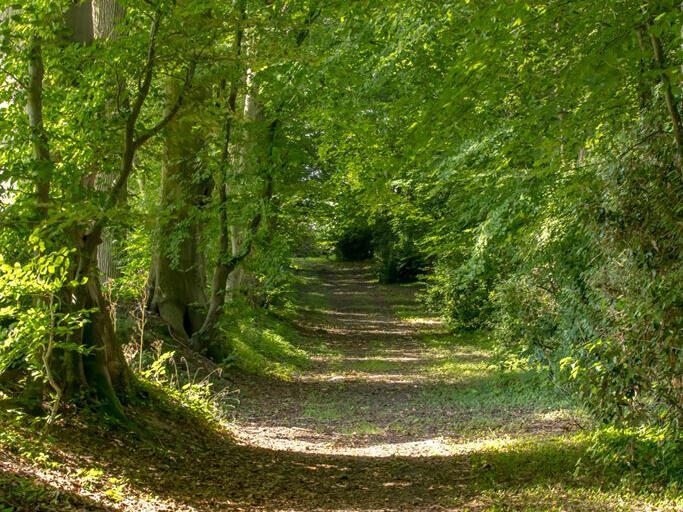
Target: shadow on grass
{"x": 180, "y": 458}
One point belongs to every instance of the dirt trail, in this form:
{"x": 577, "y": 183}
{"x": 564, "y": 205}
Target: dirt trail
{"x": 381, "y": 384}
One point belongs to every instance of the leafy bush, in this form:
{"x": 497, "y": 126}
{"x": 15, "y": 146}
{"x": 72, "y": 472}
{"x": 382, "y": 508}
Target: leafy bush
{"x": 194, "y": 388}
{"x": 647, "y": 452}
{"x": 34, "y": 322}
{"x": 397, "y": 256}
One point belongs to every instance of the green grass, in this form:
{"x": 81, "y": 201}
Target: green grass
{"x": 483, "y": 395}
{"x": 260, "y": 343}
{"x": 503, "y": 467}
{"x": 483, "y": 409}
{"x": 362, "y": 428}
{"x": 366, "y": 366}
{"x": 491, "y": 402}
{"x": 318, "y": 410}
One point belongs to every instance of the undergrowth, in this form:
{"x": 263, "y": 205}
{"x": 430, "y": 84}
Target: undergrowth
{"x": 260, "y": 342}
{"x": 497, "y": 380}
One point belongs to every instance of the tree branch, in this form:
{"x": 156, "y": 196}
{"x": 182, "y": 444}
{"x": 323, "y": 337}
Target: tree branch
{"x": 172, "y": 112}
{"x": 668, "y": 96}
{"x": 147, "y": 74}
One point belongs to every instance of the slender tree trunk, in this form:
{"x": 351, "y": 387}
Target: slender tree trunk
{"x": 256, "y": 153}
{"x": 39, "y": 141}
{"x": 224, "y": 266}
{"x": 42, "y": 161}
{"x": 250, "y": 159}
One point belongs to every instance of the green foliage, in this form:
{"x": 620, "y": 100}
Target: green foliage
{"x": 195, "y": 389}
{"x": 648, "y": 453}
{"x": 523, "y": 159}
{"x": 134, "y": 264}
{"x": 32, "y": 323}
{"x": 527, "y": 152}
{"x": 354, "y": 244}
{"x": 399, "y": 259}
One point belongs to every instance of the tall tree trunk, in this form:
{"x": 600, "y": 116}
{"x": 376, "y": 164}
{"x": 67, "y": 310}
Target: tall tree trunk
{"x": 106, "y": 15}
{"x": 33, "y": 390}
{"x": 257, "y": 153}
{"x": 179, "y": 276}
{"x": 101, "y": 368}
{"x": 250, "y": 159}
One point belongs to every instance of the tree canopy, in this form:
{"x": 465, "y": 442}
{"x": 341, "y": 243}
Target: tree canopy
{"x": 522, "y": 160}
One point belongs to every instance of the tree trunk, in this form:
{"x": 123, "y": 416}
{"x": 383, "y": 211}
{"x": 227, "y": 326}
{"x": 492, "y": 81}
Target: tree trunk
{"x": 39, "y": 141}
{"x": 669, "y": 98}
{"x": 79, "y": 20}
{"x": 179, "y": 277}
{"x": 101, "y": 369}
{"x": 202, "y": 338}
{"x": 106, "y": 15}
{"x": 250, "y": 159}
{"x": 42, "y": 161}
{"x": 257, "y": 153}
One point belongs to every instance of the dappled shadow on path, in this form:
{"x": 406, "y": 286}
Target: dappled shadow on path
{"x": 377, "y": 387}
{"x": 187, "y": 463}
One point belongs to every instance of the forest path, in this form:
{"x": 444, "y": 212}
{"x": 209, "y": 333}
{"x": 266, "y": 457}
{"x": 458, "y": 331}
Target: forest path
{"x": 391, "y": 413}
{"x": 385, "y": 380}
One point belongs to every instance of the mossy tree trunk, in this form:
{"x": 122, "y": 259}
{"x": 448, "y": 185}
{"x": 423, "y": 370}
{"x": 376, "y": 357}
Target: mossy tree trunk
{"x": 101, "y": 369}
{"x": 98, "y": 369}
{"x": 178, "y": 282}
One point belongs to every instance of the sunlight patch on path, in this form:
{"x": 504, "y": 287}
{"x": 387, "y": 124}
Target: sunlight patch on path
{"x": 389, "y": 359}
{"x": 353, "y": 376}
{"x": 303, "y": 440}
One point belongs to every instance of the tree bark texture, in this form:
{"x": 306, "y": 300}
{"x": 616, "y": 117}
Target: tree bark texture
{"x": 179, "y": 276}
{"x": 106, "y": 15}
